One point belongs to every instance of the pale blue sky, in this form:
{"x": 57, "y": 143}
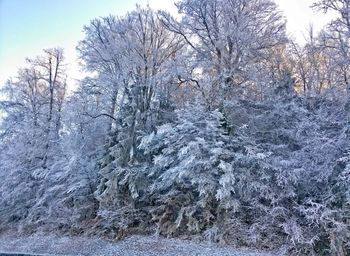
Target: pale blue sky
{"x": 28, "y": 26}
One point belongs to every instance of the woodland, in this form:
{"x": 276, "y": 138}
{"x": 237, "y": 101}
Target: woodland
{"x": 211, "y": 125}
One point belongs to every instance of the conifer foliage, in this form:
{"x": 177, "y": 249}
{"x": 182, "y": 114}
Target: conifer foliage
{"x": 213, "y": 125}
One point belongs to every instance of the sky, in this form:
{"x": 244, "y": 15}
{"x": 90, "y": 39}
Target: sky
{"x": 29, "y": 26}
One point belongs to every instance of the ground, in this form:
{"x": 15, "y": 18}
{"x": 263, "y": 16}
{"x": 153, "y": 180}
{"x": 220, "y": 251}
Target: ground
{"x": 40, "y": 244}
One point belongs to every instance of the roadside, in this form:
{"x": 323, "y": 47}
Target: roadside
{"x": 41, "y": 244}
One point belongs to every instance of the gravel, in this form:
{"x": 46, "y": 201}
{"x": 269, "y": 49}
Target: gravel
{"x": 40, "y": 244}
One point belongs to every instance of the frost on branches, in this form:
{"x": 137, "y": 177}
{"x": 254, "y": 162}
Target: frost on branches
{"x": 213, "y": 125}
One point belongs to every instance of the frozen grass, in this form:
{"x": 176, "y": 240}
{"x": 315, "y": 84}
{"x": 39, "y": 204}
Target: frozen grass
{"x": 135, "y": 246}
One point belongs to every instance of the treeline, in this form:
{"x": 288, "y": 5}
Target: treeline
{"x": 213, "y": 125}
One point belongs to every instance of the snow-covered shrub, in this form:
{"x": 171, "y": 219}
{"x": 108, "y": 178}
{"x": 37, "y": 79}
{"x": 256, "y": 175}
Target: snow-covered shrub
{"x": 55, "y": 198}
{"x": 64, "y": 199}
{"x": 202, "y": 182}
{"x": 306, "y": 137}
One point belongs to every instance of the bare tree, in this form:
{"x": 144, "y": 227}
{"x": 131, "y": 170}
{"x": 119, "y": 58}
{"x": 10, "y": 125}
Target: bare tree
{"x": 225, "y": 38}
{"x": 335, "y": 40}
{"x": 37, "y": 96}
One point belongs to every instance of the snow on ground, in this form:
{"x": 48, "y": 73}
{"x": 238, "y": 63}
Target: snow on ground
{"x": 133, "y": 246}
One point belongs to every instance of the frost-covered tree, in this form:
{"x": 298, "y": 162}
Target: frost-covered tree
{"x": 225, "y": 39}
{"x": 313, "y": 67}
{"x": 334, "y": 41}
{"x": 142, "y": 53}
{"x": 33, "y": 106}
{"x": 203, "y": 181}
{"x": 48, "y": 152}
{"x": 135, "y": 50}
{"x": 210, "y": 127}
